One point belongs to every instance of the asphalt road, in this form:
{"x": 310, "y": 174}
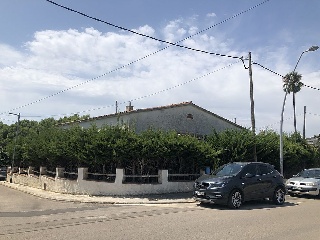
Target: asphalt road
{"x": 23, "y": 216}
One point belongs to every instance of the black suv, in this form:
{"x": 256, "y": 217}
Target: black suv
{"x": 237, "y": 182}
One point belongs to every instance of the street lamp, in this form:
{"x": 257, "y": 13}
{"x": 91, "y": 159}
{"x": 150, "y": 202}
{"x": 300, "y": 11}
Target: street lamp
{"x": 15, "y": 139}
{"x": 311, "y": 49}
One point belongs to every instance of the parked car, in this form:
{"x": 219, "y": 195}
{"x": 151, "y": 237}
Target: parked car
{"x": 307, "y": 182}
{"x": 3, "y": 173}
{"x": 237, "y": 182}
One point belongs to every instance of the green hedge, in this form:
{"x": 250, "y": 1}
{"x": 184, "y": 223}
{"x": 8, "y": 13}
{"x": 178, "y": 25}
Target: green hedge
{"x": 107, "y": 148}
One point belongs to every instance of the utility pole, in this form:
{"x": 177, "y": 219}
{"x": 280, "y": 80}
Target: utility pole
{"x": 253, "y": 122}
{"x": 116, "y": 106}
{"x": 304, "y": 122}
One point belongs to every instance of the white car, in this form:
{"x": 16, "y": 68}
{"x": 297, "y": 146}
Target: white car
{"x": 307, "y": 182}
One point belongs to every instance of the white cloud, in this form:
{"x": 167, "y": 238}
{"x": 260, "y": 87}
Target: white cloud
{"x": 9, "y": 56}
{"x": 211, "y": 15}
{"x": 70, "y": 59}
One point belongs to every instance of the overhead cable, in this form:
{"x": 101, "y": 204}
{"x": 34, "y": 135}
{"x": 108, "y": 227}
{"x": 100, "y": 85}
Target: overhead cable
{"x": 151, "y": 94}
{"x": 160, "y": 40}
{"x": 268, "y": 69}
{"x": 135, "y": 61}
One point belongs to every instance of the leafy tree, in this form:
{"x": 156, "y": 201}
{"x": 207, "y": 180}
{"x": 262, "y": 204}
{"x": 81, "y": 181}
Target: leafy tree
{"x": 4, "y": 155}
{"x": 233, "y": 145}
{"x": 73, "y": 118}
{"x": 268, "y": 147}
{"x": 104, "y": 149}
{"x": 298, "y": 155}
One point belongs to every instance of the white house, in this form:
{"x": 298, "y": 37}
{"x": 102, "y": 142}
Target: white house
{"x": 184, "y": 118}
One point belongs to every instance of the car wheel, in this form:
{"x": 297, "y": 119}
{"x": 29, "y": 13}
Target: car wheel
{"x": 235, "y": 199}
{"x": 279, "y": 196}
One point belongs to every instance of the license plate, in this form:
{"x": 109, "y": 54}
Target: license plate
{"x": 199, "y": 193}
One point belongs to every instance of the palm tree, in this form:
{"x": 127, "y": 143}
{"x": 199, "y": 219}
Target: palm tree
{"x": 292, "y": 84}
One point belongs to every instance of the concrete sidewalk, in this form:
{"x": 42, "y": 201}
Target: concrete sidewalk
{"x": 167, "y": 198}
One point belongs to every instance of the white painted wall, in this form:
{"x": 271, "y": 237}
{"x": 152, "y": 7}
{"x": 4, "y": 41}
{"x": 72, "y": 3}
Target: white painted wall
{"x": 185, "y": 118}
{"x": 95, "y": 188}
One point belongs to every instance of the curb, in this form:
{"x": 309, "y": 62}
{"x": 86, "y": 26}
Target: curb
{"x": 63, "y": 197}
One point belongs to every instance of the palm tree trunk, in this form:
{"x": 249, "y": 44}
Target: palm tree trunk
{"x": 294, "y": 112}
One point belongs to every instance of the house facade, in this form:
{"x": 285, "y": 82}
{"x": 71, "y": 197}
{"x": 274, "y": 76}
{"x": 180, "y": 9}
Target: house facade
{"x": 313, "y": 141}
{"x": 184, "y": 118}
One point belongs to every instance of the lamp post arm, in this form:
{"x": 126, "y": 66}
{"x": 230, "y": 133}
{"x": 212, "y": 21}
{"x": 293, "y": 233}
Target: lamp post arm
{"x": 311, "y": 49}
{"x": 298, "y": 61}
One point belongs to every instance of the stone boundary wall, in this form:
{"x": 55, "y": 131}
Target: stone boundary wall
{"x": 83, "y": 186}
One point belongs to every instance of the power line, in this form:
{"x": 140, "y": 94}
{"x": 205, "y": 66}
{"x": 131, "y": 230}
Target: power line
{"x": 289, "y": 118}
{"x": 160, "y": 40}
{"x": 153, "y": 38}
{"x": 268, "y": 69}
{"x": 314, "y": 114}
{"x": 278, "y": 122}
{"x": 151, "y": 94}
{"x": 135, "y": 61}
{"x": 311, "y": 87}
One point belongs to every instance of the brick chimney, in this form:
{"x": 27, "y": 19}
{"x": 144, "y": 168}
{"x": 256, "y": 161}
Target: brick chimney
{"x": 129, "y": 108}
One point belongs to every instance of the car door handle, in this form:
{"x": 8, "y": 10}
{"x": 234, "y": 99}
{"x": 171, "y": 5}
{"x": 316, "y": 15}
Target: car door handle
{"x": 259, "y": 179}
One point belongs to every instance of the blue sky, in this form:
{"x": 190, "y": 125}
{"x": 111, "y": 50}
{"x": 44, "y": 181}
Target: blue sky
{"x": 55, "y": 62}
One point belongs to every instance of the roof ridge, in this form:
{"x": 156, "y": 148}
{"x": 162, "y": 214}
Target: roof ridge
{"x": 154, "y": 108}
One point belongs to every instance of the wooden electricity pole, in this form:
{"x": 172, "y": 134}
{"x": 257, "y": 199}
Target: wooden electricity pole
{"x": 253, "y": 121}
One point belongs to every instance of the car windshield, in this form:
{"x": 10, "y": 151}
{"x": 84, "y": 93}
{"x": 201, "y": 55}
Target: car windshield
{"x": 230, "y": 169}
{"x": 309, "y": 173}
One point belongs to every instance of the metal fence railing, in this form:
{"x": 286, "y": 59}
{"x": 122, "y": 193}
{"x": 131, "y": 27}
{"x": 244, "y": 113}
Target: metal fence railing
{"x": 141, "y": 179}
{"x": 111, "y": 177}
{"x": 182, "y": 177}
{"x": 36, "y": 173}
{"x": 70, "y": 175}
{"x": 103, "y": 177}
{"x": 23, "y": 171}
{"x": 50, "y": 174}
